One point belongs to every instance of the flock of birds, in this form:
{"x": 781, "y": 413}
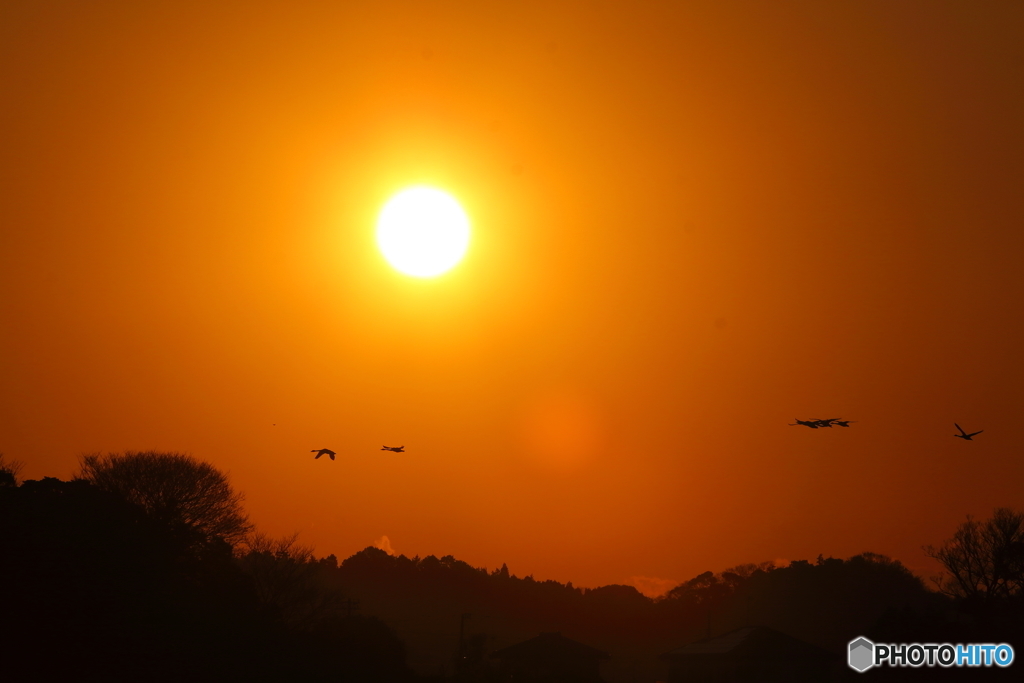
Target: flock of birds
{"x": 330, "y": 454}
{"x": 814, "y": 424}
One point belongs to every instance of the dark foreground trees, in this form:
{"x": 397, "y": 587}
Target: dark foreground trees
{"x": 175, "y": 489}
{"x": 99, "y": 588}
{"x": 96, "y": 590}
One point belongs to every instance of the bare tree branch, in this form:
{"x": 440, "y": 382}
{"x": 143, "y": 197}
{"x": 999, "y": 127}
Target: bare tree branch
{"x": 984, "y": 560}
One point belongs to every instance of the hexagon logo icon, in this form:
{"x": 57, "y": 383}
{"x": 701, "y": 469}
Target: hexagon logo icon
{"x": 861, "y": 655}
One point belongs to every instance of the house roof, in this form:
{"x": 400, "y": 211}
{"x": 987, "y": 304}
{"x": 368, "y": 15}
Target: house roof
{"x": 751, "y": 641}
{"x": 549, "y": 646}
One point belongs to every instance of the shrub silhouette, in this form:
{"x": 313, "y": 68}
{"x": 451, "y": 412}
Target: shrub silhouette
{"x": 9, "y": 471}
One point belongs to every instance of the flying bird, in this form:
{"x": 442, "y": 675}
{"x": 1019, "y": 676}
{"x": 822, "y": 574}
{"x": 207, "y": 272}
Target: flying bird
{"x": 394, "y": 449}
{"x": 965, "y": 435}
{"x": 324, "y": 451}
{"x": 806, "y": 423}
{"x": 844, "y": 423}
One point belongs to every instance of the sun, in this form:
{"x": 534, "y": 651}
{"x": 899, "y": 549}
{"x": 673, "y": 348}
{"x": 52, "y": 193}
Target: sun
{"x": 423, "y": 232}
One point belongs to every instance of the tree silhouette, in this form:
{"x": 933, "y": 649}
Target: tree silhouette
{"x": 984, "y": 560}
{"x": 189, "y": 496}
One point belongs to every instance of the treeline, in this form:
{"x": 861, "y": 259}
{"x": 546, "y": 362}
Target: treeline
{"x": 99, "y": 585}
{"x": 451, "y": 615}
{"x": 145, "y": 567}
{"x": 826, "y": 602}
{"x": 822, "y": 602}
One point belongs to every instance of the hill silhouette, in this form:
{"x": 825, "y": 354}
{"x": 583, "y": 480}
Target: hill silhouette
{"x": 821, "y": 602}
{"x": 99, "y": 587}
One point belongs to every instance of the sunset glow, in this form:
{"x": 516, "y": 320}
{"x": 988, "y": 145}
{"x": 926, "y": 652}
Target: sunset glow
{"x": 586, "y": 262}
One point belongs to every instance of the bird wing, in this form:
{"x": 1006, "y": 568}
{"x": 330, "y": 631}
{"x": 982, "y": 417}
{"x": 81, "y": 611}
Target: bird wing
{"x": 960, "y": 428}
{"x": 331, "y": 454}
{"x": 978, "y": 432}
{"x": 317, "y": 456}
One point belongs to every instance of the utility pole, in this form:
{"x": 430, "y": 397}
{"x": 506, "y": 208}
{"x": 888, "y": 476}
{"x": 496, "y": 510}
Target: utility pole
{"x": 462, "y": 645}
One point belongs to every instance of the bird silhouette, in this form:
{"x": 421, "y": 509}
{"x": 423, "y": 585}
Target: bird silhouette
{"x": 395, "y": 449}
{"x": 324, "y": 451}
{"x": 964, "y": 435}
{"x": 843, "y": 423}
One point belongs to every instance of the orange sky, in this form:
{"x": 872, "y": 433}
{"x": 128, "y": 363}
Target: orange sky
{"x": 693, "y": 222}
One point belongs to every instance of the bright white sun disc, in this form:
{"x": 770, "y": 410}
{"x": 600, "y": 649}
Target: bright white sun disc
{"x": 422, "y": 231}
